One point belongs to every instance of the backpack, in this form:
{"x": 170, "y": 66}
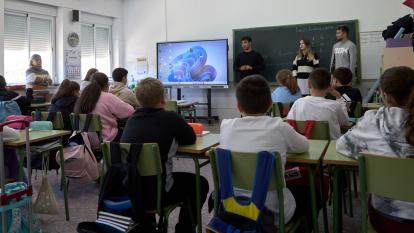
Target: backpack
{"x": 237, "y": 215}
{"x": 8, "y": 108}
{"x": 80, "y": 162}
{"x": 18, "y": 125}
{"x": 120, "y": 205}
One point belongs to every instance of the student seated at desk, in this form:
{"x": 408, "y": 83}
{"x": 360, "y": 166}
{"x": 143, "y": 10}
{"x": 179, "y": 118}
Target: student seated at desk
{"x": 316, "y": 107}
{"x": 120, "y": 89}
{"x": 288, "y": 91}
{"x": 255, "y": 132}
{"x": 387, "y": 131}
{"x": 64, "y": 100}
{"x": 152, "y": 124}
{"x": 95, "y": 99}
{"x": 23, "y": 101}
{"x": 87, "y": 80}
{"x": 342, "y": 89}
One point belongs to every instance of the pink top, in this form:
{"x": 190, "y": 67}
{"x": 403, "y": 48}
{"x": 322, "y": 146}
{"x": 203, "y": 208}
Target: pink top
{"x": 110, "y": 108}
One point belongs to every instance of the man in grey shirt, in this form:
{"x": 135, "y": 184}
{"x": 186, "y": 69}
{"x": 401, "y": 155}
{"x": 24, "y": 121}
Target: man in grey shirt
{"x": 344, "y": 52}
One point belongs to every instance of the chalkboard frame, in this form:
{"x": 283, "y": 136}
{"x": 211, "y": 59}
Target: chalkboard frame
{"x": 236, "y": 43}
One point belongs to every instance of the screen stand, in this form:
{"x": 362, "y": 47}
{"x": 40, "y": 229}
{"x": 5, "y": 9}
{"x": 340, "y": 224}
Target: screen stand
{"x": 209, "y": 118}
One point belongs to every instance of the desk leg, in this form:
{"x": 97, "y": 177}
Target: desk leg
{"x": 337, "y": 199}
{"x": 197, "y": 172}
{"x": 63, "y": 182}
{"x": 313, "y": 199}
{"x": 324, "y": 209}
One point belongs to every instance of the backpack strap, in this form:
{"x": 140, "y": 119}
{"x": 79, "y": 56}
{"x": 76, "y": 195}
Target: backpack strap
{"x": 115, "y": 149}
{"x": 134, "y": 152}
{"x": 264, "y": 168}
{"x": 308, "y": 129}
{"x": 51, "y": 116}
{"x": 37, "y": 116}
{"x": 76, "y": 122}
{"x": 87, "y": 122}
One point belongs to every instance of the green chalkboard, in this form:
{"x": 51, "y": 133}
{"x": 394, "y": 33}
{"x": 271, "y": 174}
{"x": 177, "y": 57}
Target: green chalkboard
{"x": 279, "y": 45}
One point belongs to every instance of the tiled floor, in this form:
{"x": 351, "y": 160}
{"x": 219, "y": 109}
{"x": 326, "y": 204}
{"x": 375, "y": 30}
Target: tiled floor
{"x": 83, "y": 203}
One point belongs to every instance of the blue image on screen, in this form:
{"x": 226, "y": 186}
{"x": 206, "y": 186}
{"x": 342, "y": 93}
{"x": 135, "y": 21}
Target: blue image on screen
{"x": 191, "y": 66}
{"x": 194, "y": 62}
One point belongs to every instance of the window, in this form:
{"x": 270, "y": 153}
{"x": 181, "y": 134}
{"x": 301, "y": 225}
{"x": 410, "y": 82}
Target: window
{"x": 25, "y": 35}
{"x": 96, "y": 48}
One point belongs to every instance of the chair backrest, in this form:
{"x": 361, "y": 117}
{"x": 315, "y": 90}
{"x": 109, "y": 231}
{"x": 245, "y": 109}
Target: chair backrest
{"x": 171, "y": 106}
{"x": 280, "y": 109}
{"x": 243, "y": 171}
{"x": 319, "y": 132}
{"x": 94, "y": 126}
{"x": 57, "y": 120}
{"x": 389, "y": 177}
{"x": 149, "y": 163}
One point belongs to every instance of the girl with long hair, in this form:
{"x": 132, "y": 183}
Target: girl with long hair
{"x": 305, "y": 62}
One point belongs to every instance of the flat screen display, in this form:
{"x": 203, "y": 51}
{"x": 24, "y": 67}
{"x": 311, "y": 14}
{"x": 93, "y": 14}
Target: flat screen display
{"x": 201, "y": 63}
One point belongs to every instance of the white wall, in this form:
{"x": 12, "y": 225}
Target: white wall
{"x": 147, "y": 22}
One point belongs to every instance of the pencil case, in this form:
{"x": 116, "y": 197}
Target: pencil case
{"x": 41, "y": 125}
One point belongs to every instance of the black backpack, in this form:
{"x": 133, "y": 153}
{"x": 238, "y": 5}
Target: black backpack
{"x": 120, "y": 197}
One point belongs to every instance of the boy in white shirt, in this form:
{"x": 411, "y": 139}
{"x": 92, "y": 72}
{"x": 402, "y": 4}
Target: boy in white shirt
{"x": 316, "y": 107}
{"x": 255, "y": 132}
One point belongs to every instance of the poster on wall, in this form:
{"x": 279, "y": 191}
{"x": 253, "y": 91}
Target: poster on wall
{"x": 72, "y": 64}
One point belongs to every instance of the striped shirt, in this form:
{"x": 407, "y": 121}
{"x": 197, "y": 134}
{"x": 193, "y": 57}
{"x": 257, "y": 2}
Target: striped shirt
{"x": 302, "y": 67}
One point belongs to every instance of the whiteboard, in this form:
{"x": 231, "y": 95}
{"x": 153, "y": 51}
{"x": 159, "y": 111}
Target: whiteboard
{"x": 372, "y": 47}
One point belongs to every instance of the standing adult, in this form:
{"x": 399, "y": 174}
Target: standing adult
{"x": 344, "y": 52}
{"x": 249, "y": 61}
{"x": 36, "y": 76}
{"x": 305, "y": 62}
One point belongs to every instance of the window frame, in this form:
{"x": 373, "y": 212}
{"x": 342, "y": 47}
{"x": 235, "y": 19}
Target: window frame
{"x": 110, "y": 42}
{"x": 52, "y": 19}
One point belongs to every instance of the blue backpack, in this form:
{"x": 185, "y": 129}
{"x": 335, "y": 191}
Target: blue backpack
{"x": 8, "y": 108}
{"x": 236, "y": 215}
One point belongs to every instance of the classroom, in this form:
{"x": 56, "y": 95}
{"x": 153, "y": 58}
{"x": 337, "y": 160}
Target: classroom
{"x": 206, "y": 116}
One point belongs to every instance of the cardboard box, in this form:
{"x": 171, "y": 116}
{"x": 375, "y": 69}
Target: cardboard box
{"x": 402, "y": 56}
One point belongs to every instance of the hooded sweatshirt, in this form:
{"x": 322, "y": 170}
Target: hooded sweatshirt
{"x": 124, "y": 93}
{"x": 381, "y": 132}
{"x": 65, "y": 105}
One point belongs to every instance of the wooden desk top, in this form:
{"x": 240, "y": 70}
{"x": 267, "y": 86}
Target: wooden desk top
{"x": 370, "y": 106}
{"x": 202, "y": 145}
{"x": 42, "y": 105}
{"x": 316, "y": 151}
{"x": 332, "y": 157}
{"x": 36, "y": 136}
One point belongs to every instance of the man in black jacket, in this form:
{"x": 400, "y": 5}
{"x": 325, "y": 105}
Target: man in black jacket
{"x": 152, "y": 123}
{"x": 248, "y": 62}
{"x": 22, "y": 101}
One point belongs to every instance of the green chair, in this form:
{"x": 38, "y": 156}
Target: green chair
{"x": 57, "y": 120}
{"x": 278, "y": 109}
{"x": 357, "y": 110}
{"x": 384, "y": 176}
{"x": 319, "y": 132}
{"x": 149, "y": 164}
{"x": 171, "y": 106}
{"x": 94, "y": 126}
{"x": 244, "y": 170}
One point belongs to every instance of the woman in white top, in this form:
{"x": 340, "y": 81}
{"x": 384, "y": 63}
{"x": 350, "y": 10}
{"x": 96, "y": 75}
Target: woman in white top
{"x": 388, "y": 131}
{"x": 36, "y": 76}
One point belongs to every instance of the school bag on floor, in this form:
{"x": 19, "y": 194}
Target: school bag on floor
{"x": 79, "y": 160}
{"x": 236, "y": 215}
{"x": 120, "y": 205}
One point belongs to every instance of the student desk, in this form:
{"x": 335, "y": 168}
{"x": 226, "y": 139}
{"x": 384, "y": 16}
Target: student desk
{"x": 338, "y": 162}
{"x": 38, "y": 107}
{"x": 312, "y": 159}
{"x": 198, "y": 151}
{"x": 40, "y": 136}
{"x": 371, "y": 106}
